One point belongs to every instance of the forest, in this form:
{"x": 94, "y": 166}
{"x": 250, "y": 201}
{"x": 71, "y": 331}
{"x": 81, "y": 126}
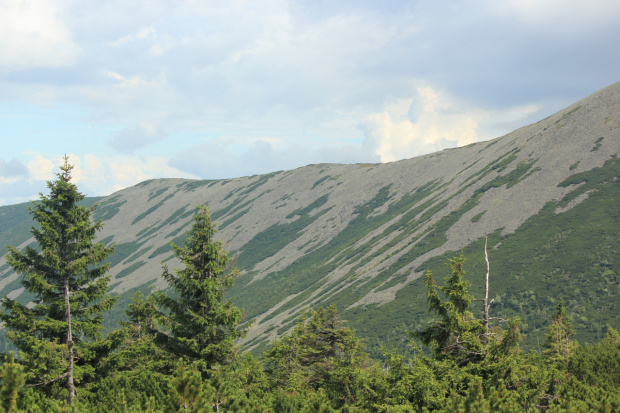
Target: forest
{"x": 178, "y": 350}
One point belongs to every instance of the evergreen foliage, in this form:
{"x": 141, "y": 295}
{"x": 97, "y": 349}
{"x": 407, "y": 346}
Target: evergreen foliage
{"x": 178, "y": 351}
{"x": 598, "y": 364}
{"x": 12, "y": 378}
{"x": 458, "y": 334}
{"x": 320, "y": 353}
{"x": 57, "y": 336}
{"x": 559, "y": 344}
{"x": 202, "y": 326}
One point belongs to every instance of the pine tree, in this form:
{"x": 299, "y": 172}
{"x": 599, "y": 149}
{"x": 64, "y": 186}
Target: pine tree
{"x": 203, "y": 327}
{"x": 69, "y": 287}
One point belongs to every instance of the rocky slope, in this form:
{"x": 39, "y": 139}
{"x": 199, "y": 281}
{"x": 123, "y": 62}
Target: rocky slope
{"x": 360, "y": 236}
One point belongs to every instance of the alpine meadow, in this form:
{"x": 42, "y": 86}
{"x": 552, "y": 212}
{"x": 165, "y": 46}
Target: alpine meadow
{"x": 481, "y": 278}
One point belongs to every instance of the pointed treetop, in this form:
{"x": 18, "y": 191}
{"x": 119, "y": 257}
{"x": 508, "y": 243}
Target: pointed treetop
{"x": 66, "y": 169}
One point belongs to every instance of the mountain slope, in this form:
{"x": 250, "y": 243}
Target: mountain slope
{"x": 360, "y": 236}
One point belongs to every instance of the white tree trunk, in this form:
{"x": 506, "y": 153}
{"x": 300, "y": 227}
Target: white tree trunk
{"x": 486, "y": 293}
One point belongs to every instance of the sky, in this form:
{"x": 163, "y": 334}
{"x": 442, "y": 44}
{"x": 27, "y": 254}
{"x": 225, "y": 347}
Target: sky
{"x": 135, "y": 90}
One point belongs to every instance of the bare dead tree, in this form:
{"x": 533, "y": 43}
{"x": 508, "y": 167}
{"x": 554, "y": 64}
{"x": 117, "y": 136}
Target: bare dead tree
{"x": 487, "y": 304}
{"x": 486, "y": 292}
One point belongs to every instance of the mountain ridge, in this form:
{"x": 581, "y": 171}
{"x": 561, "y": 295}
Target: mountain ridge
{"x": 361, "y": 235}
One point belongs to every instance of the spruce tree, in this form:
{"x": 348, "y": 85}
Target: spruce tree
{"x": 559, "y": 338}
{"x": 202, "y": 326}
{"x": 458, "y": 335}
{"x": 320, "y": 353}
{"x": 69, "y": 287}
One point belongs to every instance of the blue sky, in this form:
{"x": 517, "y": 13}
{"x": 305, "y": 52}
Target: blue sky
{"x": 134, "y": 90}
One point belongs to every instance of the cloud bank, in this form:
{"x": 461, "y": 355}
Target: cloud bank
{"x": 225, "y": 89}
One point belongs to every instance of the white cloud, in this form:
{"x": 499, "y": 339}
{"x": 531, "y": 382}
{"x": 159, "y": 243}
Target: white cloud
{"x": 162, "y": 46}
{"x": 290, "y": 81}
{"x": 146, "y": 32}
{"x": 131, "y": 84}
{"x": 95, "y": 172}
{"x": 40, "y": 169}
{"x": 101, "y": 175}
{"x": 44, "y": 169}
{"x": 31, "y": 35}
{"x": 126, "y": 171}
{"x": 433, "y": 121}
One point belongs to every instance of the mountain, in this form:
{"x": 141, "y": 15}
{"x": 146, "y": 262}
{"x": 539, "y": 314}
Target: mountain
{"x": 361, "y": 236}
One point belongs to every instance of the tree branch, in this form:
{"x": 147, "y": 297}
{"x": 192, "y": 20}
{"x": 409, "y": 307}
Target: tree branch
{"x": 62, "y": 376}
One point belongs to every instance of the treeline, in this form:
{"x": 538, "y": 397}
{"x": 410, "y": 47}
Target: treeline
{"x": 177, "y": 352}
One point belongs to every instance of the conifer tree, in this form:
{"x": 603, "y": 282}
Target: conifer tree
{"x": 320, "y": 353}
{"x": 458, "y": 335}
{"x": 12, "y": 378}
{"x": 559, "y": 338}
{"x": 69, "y": 287}
{"x": 203, "y": 327}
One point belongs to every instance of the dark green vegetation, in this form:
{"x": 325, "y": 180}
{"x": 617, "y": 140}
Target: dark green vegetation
{"x": 550, "y": 256}
{"x": 564, "y": 251}
{"x": 108, "y": 209}
{"x": 274, "y": 238}
{"x": 130, "y": 269}
{"x": 151, "y": 209}
{"x": 360, "y": 237}
{"x": 178, "y": 215}
{"x": 59, "y": 338}
{"x": 177, "y": 353}
{"x": 200, "y": 326}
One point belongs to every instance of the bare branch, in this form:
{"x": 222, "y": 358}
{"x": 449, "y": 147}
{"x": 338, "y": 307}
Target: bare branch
{"x": 62, "y": 376}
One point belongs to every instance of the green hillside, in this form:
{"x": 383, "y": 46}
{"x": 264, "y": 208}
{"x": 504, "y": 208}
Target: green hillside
{"x": 360, "y": 237}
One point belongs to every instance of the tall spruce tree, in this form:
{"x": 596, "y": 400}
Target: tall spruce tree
{"x": 56, "y": 335}
{"x": 202, "y": 327}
